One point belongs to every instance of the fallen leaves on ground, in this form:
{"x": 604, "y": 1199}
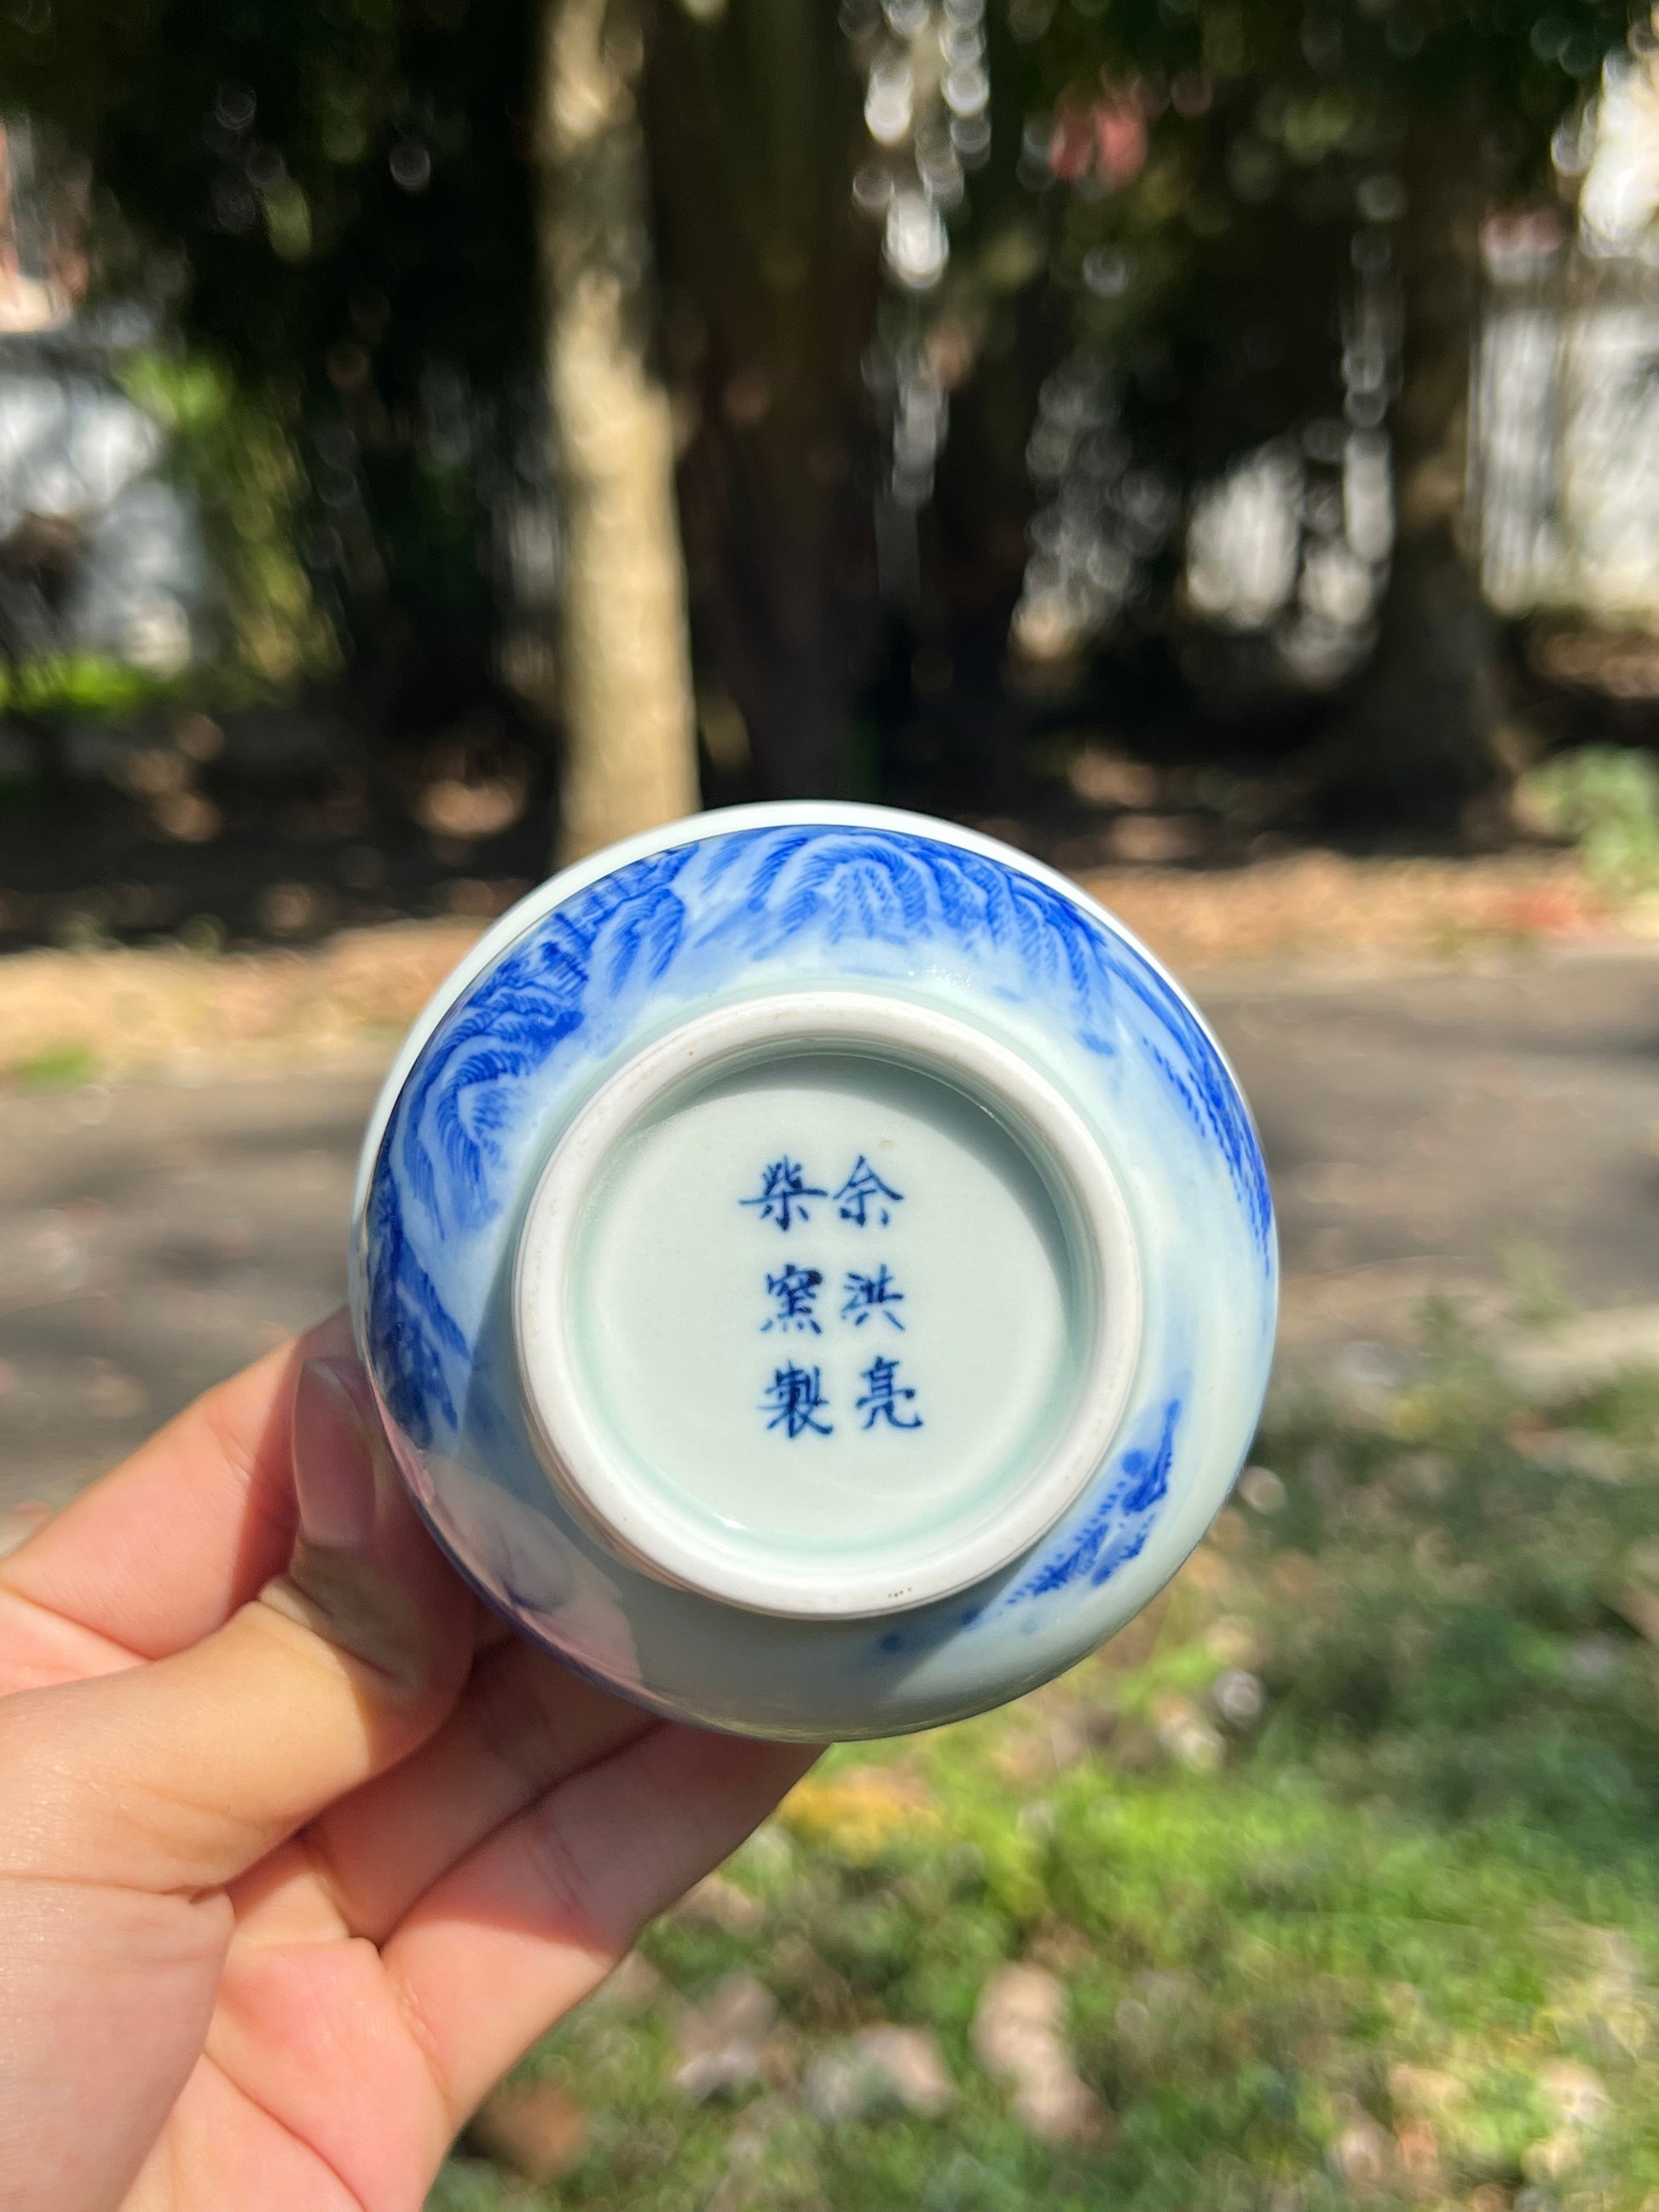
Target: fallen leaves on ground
{"x": 1019, "y": 2035}
{"x": 532, "y": 2128}
{"x": 861, "y": 1809}
{"x": 719, "y": 2043}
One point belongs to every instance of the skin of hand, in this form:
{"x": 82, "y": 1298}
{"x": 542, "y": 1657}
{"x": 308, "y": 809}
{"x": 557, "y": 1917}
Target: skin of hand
{"x": 299, "y": 1848}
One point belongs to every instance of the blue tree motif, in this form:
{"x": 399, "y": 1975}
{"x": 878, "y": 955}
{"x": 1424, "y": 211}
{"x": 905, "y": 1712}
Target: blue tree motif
{"x": 794, "y": 1398}
{"x": 1116, "y": 1529}
{"x": 783, "y": 1188}
{"x": 884, "y": 1395}
{"x": 794, "y": 1291}
{"x": 871, "y": 1294}
{"x": 863, "y": 1194}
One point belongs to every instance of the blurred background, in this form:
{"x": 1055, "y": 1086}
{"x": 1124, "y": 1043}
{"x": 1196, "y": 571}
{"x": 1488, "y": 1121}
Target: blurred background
{"x": 1212, "y": 444}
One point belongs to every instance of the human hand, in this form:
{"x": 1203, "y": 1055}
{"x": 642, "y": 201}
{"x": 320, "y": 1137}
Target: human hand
{"x": 299, "y": 1848}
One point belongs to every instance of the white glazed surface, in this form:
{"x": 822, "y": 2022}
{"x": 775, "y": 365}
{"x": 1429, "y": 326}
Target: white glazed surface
{"x": 762, "y": 903}
{"x": 1000, "y": 1312}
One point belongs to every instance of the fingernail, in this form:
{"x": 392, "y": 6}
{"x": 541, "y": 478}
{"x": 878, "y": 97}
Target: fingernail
{"x": 333, "y": 1460}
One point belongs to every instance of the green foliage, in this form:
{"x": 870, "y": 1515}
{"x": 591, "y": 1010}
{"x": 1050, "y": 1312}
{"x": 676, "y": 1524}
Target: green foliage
{"x": 250, "y": 489}
{"x": 79, "y": 684}
{"x": 1411, "y": 1906}
{"x": 1532, "y": 1276}
{"x": 1606, "y": 797}
{"x": 60, "y": 1067}
{"x": 1275, "y": 135}
{"x": 336, "y": 193}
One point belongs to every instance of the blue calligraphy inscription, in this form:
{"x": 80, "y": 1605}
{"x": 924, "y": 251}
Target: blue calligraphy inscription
{"x": 783, "y": 1193}
{"x": 871, "y": 1294}
{"x": 864, "y": 1194}
{"x": 794, "y": 1291}
{"x": 794, "y": 1399}
{"x": 796, "y": 1395}
{"x": 884, "y": 1395}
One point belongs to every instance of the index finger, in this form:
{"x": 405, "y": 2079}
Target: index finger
{"x": 164, "y": 1550}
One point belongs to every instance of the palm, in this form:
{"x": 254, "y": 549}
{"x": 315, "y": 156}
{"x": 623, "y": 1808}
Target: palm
{"x": 310, "y": 2038}
{"x": 252, "y": 2129}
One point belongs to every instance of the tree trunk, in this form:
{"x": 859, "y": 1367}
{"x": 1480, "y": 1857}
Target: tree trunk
{"x": 753, "y": 120}
{"x": 1424, "y": 746}
{"x": 625, "y": 676}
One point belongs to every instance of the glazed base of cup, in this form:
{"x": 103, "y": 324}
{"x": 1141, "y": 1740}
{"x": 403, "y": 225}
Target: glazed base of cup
{"x": 825, "y": 1306}
{"x": 599, "y": 965}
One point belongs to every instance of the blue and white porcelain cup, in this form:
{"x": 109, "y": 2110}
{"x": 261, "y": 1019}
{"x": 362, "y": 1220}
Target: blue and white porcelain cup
{"x": 816, "y": 1269}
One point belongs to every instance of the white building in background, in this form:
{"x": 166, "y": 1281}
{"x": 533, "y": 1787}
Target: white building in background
{"x": 1565, "y": 453}
{"x": 82, "y": 468}
{"x": 1564, "y": 434}
{"x": 1569, "y": 449}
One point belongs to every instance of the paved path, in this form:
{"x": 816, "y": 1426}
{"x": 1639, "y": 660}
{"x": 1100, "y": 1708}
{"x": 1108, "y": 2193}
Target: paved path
{"x": 1423, "y": 1129}
{"x": 1470, "y": 1130}
{"x": 155, "y": 1236}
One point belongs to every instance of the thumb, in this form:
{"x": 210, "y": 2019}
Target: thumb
{"x": 185, "y": 1772}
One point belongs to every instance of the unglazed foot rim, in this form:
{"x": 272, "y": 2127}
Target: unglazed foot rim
{"x": 630, "y": 1515}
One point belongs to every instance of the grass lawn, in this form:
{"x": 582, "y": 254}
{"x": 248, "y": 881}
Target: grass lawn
{"x": 1332, "y": 1882}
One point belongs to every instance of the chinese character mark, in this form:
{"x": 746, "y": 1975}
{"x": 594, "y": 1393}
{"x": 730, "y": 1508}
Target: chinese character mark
{"x": 784, "y": 1189}
{"x": 871, "y": 1294}
{"x": 884, "y": 1396}
{"x": 793, "y": 1398}
{"x": 865, "y": 1194}
{"x": 794, "y": 1291}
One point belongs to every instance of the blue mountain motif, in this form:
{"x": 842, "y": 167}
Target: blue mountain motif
{"x": 649, "y": 942}
{"x": 468, "y": 1087}
{"x": 410, "y": 1328}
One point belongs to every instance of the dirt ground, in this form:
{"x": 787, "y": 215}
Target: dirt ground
{"x": 116, "y": 1010}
